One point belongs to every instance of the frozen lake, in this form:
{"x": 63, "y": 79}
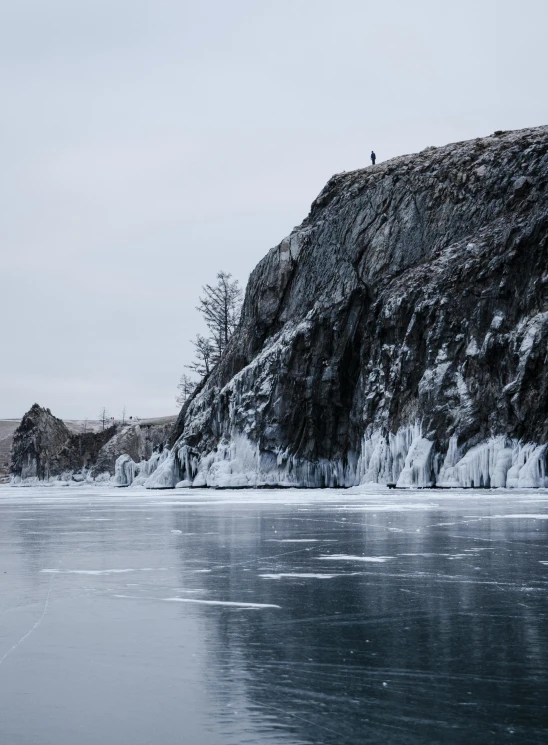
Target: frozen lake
{"x": 293, "y": 617}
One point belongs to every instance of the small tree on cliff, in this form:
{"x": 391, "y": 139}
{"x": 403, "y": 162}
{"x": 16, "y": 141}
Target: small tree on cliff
{"x": 185, "y": 389}
{"x": 104, "y": 416}
{"x": 220, "y": 306}
{"x": 203, "y": 356}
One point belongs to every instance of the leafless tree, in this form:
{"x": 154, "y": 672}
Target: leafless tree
{"x": 204, "y": 356}
{"x": 104, "y": 416}
{"x": 220, "y": 306}
{"x": 185, "y": 389}
{"x": 124, "y": 415}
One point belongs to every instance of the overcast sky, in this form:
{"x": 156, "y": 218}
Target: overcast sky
{"x": 146, "y": 145}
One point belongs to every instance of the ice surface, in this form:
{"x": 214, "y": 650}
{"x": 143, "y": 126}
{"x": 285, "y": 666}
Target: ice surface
{"x": 299, "y": 575}
{"x": 522, "y": 516}
{"x": 344, "y": 557}
{"x": 87, "y": 571}
{"x": 226, "y": 603}
{"x": 210, "y": 605}
{"x": 293, "y": 540}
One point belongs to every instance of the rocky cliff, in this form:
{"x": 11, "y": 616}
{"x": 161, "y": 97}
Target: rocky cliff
{"x": 7, "y": 428}
{"x": 44, "y": 447}
{"x": 398, "y": 335}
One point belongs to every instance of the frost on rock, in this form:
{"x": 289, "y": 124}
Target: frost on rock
{"x": 484, "y": 465}
{"x": 165, "y": 475}
{"x": 125, "y": 471}
{"x": 154, "y": 473}
{"x": 407, "y": 459}
{"x": 498, "y": 462}
{"x": 528, "y": 467}
{"x": 383, "y": 456}
{"x": 399, "y": 335}
{"x": 533, "y": 473}
{"x": 417, "y": 470}
{"x": 239, "y": 463}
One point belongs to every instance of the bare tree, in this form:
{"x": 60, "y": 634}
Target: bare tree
{"x": 104, "y": 416}
{"x": 124, "y": 415}
{"x": 204, "y": 356}
{"x": 186, "y": 388}
{"x": 220, "y": 307}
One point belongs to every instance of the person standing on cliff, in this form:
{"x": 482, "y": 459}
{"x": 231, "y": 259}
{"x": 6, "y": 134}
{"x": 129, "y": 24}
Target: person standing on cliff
{"x": 373, "y": 157}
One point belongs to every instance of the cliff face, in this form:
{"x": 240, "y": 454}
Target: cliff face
{"x": 400, "y": 334}
{"x": 45, "y": 448}
{"x": 137, "y": 441}
{"x": 399, "y": 331}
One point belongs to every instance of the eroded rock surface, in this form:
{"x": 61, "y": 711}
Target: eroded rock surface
{"x": 399, "y": 334}
{"x": 44, "y": 447}
{"x": 402, "y": 325}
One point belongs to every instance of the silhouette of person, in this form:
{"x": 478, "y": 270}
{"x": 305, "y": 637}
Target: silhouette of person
{"x": 373, "y": 157}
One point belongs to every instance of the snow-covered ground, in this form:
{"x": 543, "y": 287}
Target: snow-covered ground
{"x": 273, "y": 616}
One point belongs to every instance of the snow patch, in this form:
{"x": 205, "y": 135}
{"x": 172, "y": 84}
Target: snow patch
{"x": 347, "y": 557}
{"x": 227, "y": 603}
{"x": 299, "y": 575}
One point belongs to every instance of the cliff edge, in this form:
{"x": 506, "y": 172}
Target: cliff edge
{"x": 398, "y": 335}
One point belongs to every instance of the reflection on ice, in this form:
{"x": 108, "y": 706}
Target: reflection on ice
{"x": 203, "y": 615}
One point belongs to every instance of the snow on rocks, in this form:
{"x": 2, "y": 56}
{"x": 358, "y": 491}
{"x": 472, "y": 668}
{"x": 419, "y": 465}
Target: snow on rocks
{"x": 129, "y": 473}
{"x": 406, "y": 459}
{"x": 417, "y": 470}
{"x": 165, "y": 475}
{"x": 398, "y": 336}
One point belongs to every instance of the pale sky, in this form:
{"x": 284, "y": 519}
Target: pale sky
{"x": 146, "y": 145}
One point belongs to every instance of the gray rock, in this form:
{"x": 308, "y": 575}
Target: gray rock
{"x": 139, "y": 441}
{"x": 414, "y": 292}
{"x": 44, "y": 447}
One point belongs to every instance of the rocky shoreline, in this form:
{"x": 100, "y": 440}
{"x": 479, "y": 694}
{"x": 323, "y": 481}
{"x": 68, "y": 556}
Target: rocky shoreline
{"x": 398, "y": 335}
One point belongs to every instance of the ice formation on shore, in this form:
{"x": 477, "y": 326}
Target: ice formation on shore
{"x": 154, "y": 473}
{"x": 406, "y": 459}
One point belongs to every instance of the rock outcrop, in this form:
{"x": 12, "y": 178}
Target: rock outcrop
{"x": 7, "y": 429}
{"x": 45, "y": 448}
{"x": 138, "y": 441}
{"x": 398, "y": 335}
